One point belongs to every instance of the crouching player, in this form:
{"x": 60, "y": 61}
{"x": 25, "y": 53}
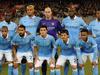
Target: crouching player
{"x": 88, "y": 48}
{"x": 67, "y": 52}
{"x": 22, "y": 46}
{"x": 5, "y": 48}
{"x": 44, "y": 44}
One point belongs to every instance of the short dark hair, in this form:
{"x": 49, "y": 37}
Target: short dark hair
{"x": 65, "y": 31}
{"x": 4, "y": 27}
{"x": 84, "y": 30}
{"x": 21, "y": 26}
{"x": 43, "y": 26}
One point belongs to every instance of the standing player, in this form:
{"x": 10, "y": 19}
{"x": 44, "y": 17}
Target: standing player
{"x": 5, "y": 48}
{"x": 67, "y": 52}
{"x": 30, "y": 21}
{"x": 22, "y": 46}
{"x": 53, "y": 26}
{"x": 9, "y": 23}
{"x": 73, "y": 24}
{"x": 88, "y": 48}
{"x": 95, "y": 29}
{"x": 44, "y": 44}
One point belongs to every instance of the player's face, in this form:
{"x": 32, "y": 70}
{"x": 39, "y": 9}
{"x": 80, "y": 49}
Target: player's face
{"x": 84, "y": 36}
{"x": 64, "y": 36}
{"x": 4, "y": 31}
{"x": 30, "y": 11}
{"x": 8, "y": 17}
{"x": 47, "y": 12}
{"x": 43, "y": 31}
{"x": 21, "y": 31}
{"x": 71, "y": 13}
{"x": 98, "y": 14}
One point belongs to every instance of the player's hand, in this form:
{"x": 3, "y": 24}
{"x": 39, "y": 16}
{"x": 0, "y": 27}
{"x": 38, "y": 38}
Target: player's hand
{"x": 52, "y": 61}
{"x": 36, "y": 58}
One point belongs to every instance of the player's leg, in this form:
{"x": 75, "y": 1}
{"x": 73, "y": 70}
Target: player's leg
{"x": 51, "y": 63}
{"x": 1, "y": 55}
{"x": 94, "y": 64}
{"x": 8, "y": 56}
{"x": 15, "y": 64}
{"x": 15, "y": 69}
{"x": 84, "y": 59}
{"x": 38, "y": 64}
{"x": 73, "y": 62}
{"x": 60, "y": 62}
{"x": 29, "y": 58}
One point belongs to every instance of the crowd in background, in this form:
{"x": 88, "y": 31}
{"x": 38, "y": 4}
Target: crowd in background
{"x": 84, "y": 7}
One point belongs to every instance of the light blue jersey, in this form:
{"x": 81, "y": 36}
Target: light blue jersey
{"x": 5, "y": 43}
{"x": 88, "y": 47}
{"x": 24, "y": 43}
{"x": 94, "y": 27}
{"x": 67, "y": 48}
{"x": 73, "y": 26}
{"x": 45, "y": 45}
{"x": 11, "y": 26}
{"x": 31, "y": 23}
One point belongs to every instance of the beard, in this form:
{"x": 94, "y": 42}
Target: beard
{"x": 21, "y": 35}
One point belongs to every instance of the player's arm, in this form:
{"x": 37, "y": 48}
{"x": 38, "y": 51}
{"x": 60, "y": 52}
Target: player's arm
{"x": 78, "y": 52}
{"x": 94, "y": 46}
{"x": 14, "y": 49}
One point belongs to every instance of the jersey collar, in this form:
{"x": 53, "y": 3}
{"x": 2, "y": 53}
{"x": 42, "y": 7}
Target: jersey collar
{"x": 45, "y": 37}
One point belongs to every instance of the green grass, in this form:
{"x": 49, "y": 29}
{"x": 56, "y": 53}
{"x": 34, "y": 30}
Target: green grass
{"x": 88, "y": 70}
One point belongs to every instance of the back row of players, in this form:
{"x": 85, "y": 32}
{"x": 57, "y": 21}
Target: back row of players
{"x": 36, "y": 37}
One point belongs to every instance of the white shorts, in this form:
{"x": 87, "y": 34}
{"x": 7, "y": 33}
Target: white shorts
{"x": 28, "y": 55}
{"x": 85, "y": 56}
{"x": 40, "y": 61}
{"x": 62, "y": 59}
{"x": 7, "y": 53}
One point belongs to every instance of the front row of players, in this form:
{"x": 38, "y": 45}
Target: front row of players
{"x": 43, "y": 47}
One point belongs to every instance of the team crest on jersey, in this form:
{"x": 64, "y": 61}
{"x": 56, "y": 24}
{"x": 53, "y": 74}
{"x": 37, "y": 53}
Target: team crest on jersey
{"x": 52, "y": 24}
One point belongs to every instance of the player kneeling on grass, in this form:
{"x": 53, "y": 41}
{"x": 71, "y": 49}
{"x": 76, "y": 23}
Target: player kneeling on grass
{"x": 44, "y": 44}
{"x": 5, "y": 48}
{"x": 89, "y": 50}
{"x": 22, "y": 46}
{"x": 67, "y": 52}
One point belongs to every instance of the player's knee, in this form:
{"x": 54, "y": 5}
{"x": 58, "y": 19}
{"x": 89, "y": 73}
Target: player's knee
{"x": 30, "y": 65}
{"x": 15, "y": 65}
{"x": 37, "y": 68}
{"x": 74, "y": 66}
{"x": 58, "y": 66}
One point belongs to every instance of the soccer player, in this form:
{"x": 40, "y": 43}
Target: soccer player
{"x": 67, "y": 52}
{"x": 95, "y": 29}
{"x": 43, "y": 47}
{"x": 30, "y": 21}
{"x": 9, "y": 23}
{"x": 22, "y": 47}
{"x": 89, "y": 50}
{"x": 73, "y": 24}
{"x": 6, "y": 48}
{"x": 53, "y": 26}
